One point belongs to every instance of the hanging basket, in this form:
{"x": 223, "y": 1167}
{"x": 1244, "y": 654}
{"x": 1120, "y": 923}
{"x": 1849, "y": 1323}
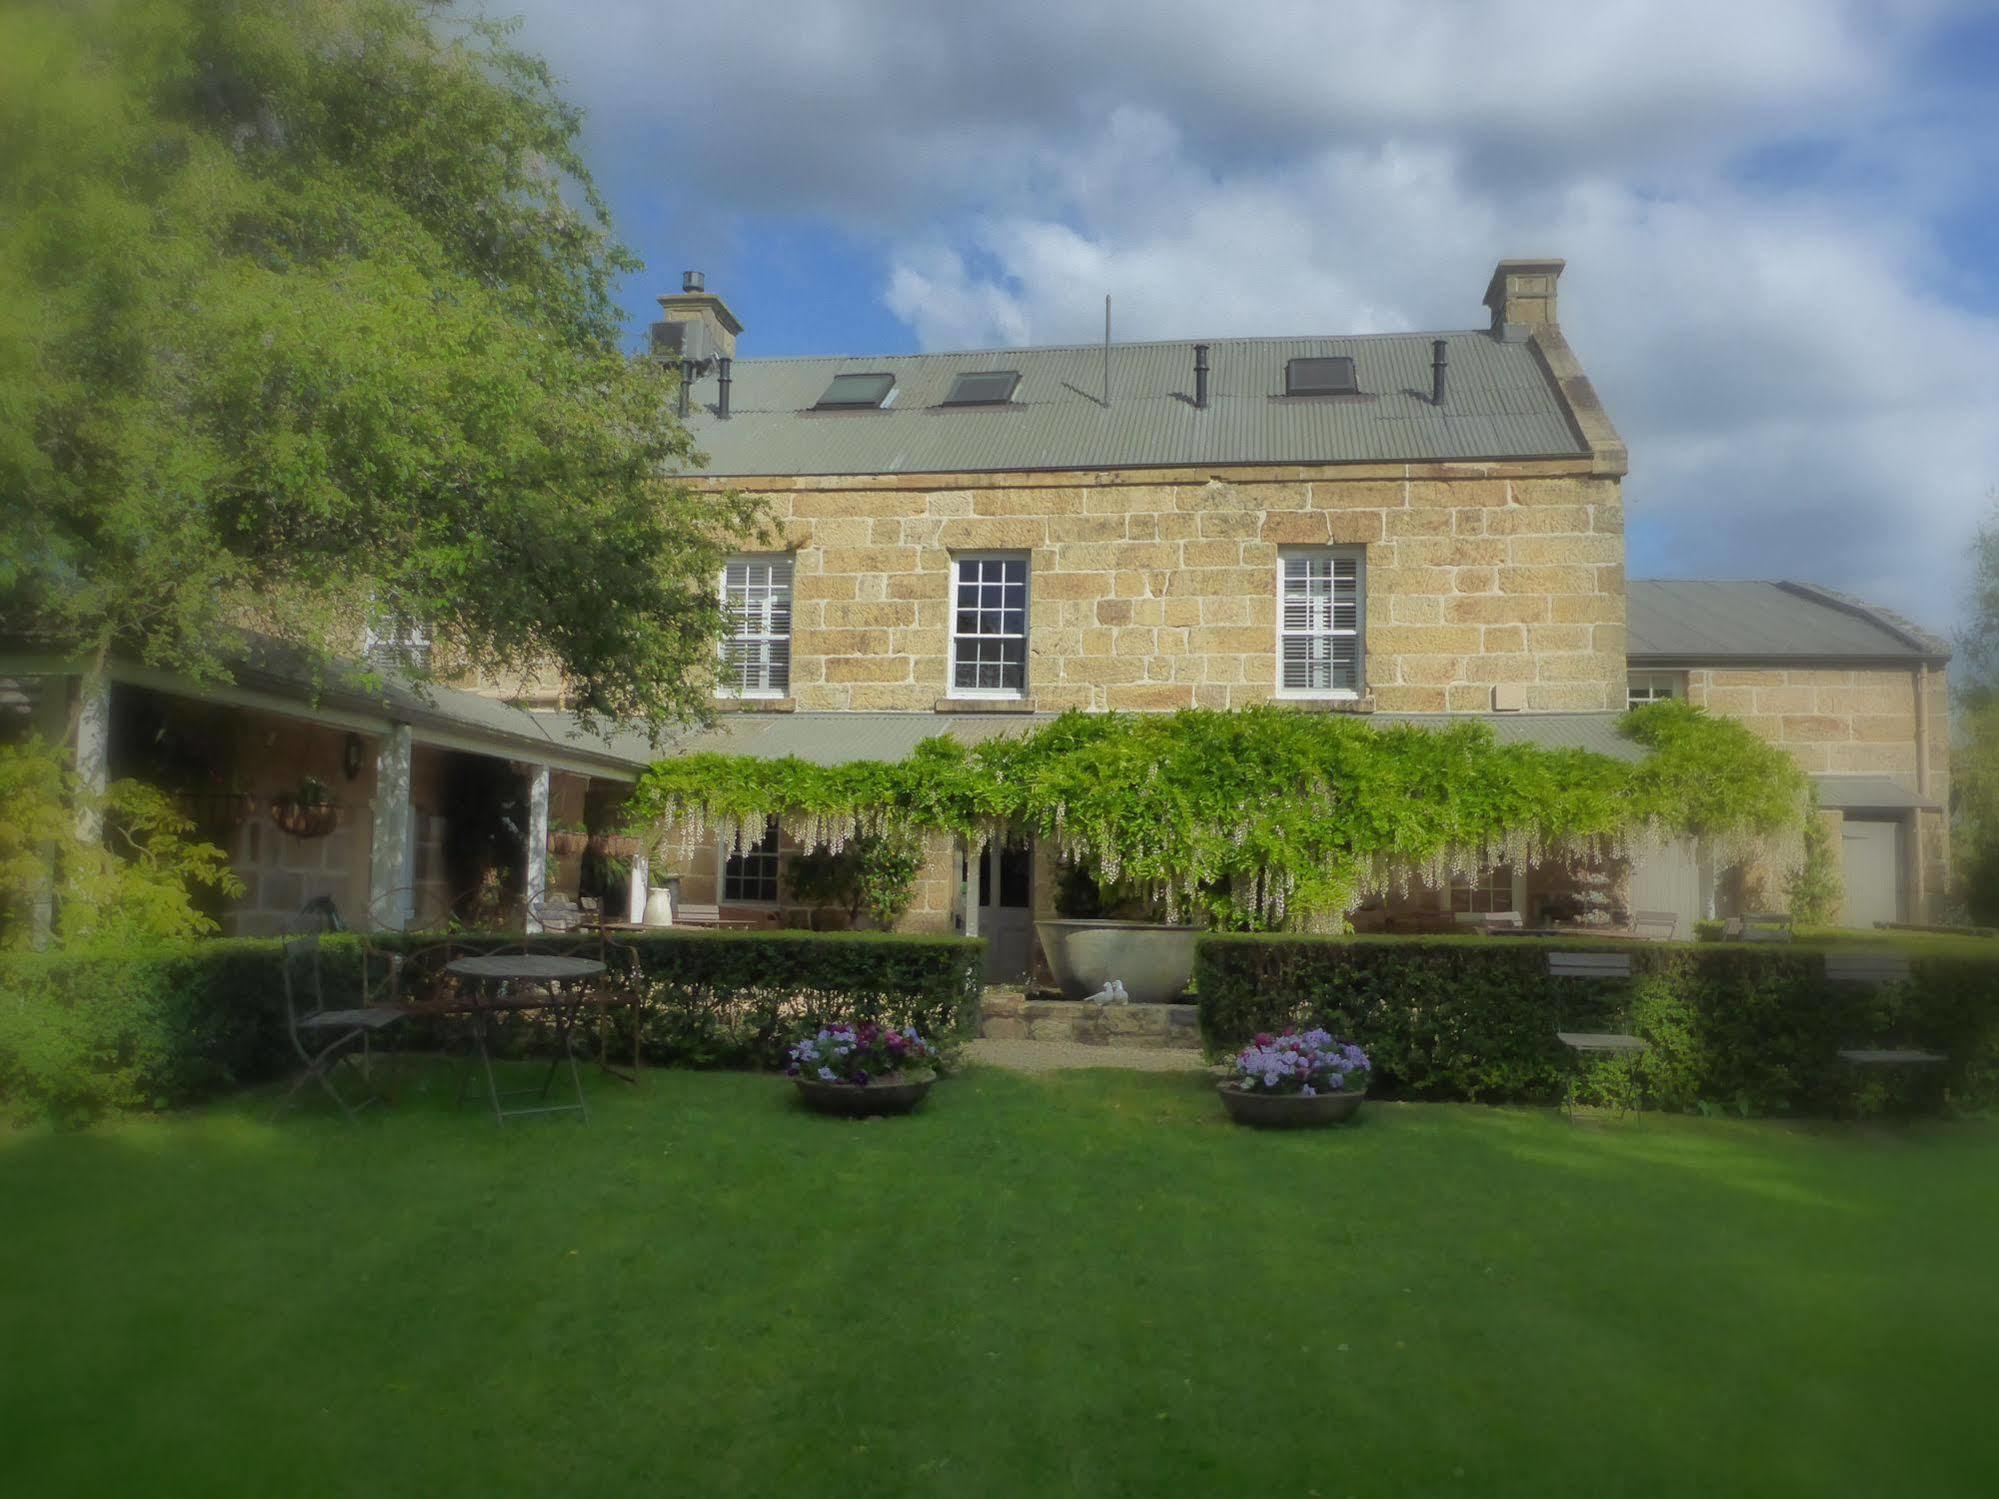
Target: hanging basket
{"x": 614, "y": 846}
{"x": 305, "y": 819}
{"x": 568, "y": 845}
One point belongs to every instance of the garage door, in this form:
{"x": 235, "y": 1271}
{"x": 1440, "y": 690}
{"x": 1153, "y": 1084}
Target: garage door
{"x": 1871, "y": 856}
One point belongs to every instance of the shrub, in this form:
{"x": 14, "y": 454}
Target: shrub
{"x": 1752, "y": 1029}
{"x": 87, "y": 1034}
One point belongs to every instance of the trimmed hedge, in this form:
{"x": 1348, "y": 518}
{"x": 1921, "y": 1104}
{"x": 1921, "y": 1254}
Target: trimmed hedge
{"x": 1753, "y": 1029}
{"x": 83, "y": 1035}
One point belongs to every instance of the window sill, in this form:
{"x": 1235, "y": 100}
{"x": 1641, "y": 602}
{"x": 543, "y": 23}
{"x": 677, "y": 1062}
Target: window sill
{"x": 727, "y": 704}
{"x": 983, "y": 705}
{"x": 1360, "y": 704}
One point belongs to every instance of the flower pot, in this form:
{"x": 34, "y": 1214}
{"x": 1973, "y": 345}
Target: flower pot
{"x": 896, "y": 1097}
{"x": 568, "y": 845}
{"x": 305, "y": 819}
{"x": 1287, "y": 1110}
{"x": 1153, "y": 962}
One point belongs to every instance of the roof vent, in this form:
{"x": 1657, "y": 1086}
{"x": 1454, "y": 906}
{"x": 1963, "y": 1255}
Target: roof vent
{"x": 693, "y": 281}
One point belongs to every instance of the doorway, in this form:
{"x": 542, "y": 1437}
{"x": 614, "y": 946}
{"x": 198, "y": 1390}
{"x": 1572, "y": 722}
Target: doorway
{"x": 1004, "y": 886}
{"x": 1871, "y": 860}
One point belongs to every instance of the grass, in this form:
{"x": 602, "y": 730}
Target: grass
{"x": 1082, "y": 1283}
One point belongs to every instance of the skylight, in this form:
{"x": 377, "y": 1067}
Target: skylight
{"x": 984, "y": 388}
{"x": 1320, "y": 377}
{"x": 856, "y": 393}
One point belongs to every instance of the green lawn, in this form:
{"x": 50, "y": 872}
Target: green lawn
{"x": 1083, "y": 1284}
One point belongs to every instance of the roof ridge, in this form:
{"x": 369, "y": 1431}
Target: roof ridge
{"x": 1128, "y": 343}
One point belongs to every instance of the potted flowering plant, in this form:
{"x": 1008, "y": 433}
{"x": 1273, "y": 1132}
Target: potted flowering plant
{"x": 1296, "y": 1079}
{"x": 308, "y": 812}
{"x": 863, "y": 1069}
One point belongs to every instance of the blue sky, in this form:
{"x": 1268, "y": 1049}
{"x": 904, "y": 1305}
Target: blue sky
{"x": 1779, "y": 217}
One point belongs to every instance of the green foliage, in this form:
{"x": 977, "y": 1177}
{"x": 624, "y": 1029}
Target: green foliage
{"x": 137, "y": 885}
{"x": 1814, "y": 884}
{"x": 1263, "y": 817}
{"x": 1749, "y": 1029}
{"x": 305, "y": 316}
{"x": 875, "y": 873}
{"x": 1974, "y": 768}
{"x": 86, "y": 1034}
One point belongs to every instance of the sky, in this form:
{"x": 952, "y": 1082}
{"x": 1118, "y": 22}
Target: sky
{"x": 1779, "y": 216}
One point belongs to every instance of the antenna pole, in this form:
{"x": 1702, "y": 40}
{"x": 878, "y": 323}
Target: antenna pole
{"x": 1107, "y": 351}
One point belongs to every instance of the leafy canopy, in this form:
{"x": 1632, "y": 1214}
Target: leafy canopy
{"x": 1264, "y": 817}
{"x": 306, "y": 319}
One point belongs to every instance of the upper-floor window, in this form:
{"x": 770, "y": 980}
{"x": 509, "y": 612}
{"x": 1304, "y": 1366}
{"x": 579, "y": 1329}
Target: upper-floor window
{"x": 1642, "y": 687}
{"x": 1319, "y": 613}
{"x": 756, "y": 654}
{"x": 397, "y": 643}
{"x": 989, "y": 626}
{"x": 749, "y": 876}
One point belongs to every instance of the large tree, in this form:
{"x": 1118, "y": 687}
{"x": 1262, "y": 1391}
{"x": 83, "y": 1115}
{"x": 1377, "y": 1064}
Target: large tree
{"x": 1975, "y": 752}
{"x": 306, "y": 316}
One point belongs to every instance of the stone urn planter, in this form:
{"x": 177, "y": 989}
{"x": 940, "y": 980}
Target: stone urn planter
{"x": 1153, "y": 962}
{"x": 895, "y": 1095}
{"x": 1288, "y": 1110}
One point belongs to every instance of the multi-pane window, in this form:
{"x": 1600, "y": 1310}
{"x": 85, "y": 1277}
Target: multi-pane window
{"x": 397, "y": 643}
{"x": 989, "y": 627}
{"x": 1490, "y": 891}
{"x": 1642, "y": 687}
{"x": 1319, "y": 622}
{"x": 756, "y": 655}
{"x": 750, "y": 876}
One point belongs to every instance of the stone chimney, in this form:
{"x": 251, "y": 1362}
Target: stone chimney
{"x": 1521, "y": 295}
{"x": 696, "y": 325}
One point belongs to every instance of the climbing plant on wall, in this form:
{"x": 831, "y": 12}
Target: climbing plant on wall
{"x": 1266, "y": 817}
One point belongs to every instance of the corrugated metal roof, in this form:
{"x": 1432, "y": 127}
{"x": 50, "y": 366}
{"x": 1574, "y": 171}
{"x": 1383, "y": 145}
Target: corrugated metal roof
{"x": 1868, "y": 794}
{"x": 1498, "y": 403}
{"x": 1686, "y": 620}
{"x": 836, "y": 738}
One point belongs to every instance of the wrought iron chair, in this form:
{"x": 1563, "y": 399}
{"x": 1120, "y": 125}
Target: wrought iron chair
{"x": 325, "y": 1038}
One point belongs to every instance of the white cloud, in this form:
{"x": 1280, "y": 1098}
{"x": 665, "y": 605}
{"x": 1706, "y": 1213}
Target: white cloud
{"x": 1752, "y": 291}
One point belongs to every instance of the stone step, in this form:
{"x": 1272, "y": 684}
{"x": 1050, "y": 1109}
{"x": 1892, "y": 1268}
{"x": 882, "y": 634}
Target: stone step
{"x": 1012, "y": 1016}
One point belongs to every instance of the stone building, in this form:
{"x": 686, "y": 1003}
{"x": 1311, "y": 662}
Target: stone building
{"x": 1406, "y": 526}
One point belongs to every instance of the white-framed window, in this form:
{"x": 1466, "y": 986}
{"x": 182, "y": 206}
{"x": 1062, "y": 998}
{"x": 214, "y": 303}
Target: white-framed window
{"x": 1320, "y": 595}
{"x": 1490, "y": 891}
{"x": 989, "y": 625}
{"x": 395, "y": 643}
{"x": 1642, "y": 687}
{"x": 749, "y": 878}
{"x": 756, "y": 655}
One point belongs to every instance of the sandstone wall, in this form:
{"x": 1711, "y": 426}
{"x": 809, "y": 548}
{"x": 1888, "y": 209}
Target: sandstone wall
{"x": 1158, "y": 589}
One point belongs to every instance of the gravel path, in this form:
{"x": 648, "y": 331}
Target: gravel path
{"x": 1054, "y": 1056}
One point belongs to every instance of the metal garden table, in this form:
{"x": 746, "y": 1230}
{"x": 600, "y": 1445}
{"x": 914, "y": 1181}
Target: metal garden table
{"x": 557, "y": 985}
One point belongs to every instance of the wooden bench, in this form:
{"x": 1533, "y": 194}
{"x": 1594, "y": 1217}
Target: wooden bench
{"x": 1589, "y": 965}
{"x": 710, "y": 916}
{"x": 1758, "y": 927}
{"x": 1907, "y": 1056}
{"x": 1655, "y": 926}
{"x": 1863, "y": 967}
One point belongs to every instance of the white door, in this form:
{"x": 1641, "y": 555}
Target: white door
{"x": 1006, "y": 910}
{"x": 1871, "y": 860}
{"x": 1669, "y": 879}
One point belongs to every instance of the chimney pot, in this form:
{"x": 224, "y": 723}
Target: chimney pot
{"x": 1521, "y": 295}
{"x": 692, "y": 281}
{"x": 694, "y": 303}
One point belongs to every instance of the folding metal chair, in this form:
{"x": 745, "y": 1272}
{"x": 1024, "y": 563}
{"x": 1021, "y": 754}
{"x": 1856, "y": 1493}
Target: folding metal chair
{"x": 325, "y": 1038}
